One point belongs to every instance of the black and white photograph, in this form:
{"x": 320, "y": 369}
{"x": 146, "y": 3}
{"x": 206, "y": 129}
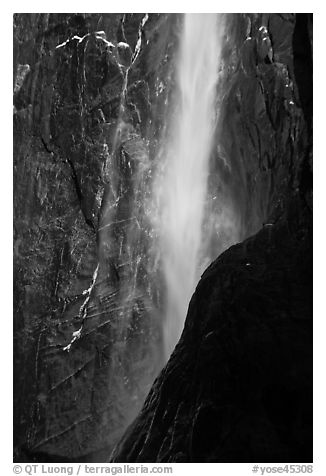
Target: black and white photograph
{"x": 162, "y": 241}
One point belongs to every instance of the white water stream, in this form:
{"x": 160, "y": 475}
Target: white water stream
{"x": 181, "y": 187}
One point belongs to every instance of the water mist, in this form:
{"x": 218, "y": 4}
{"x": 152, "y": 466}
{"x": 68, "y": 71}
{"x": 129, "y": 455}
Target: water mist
{"x": 181, "y": 184}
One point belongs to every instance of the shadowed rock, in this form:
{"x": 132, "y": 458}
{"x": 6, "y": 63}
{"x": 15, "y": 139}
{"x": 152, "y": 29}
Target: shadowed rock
{"x": 238, "y": 386}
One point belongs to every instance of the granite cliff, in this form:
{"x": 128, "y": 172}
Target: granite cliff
{"x": 90, "y": 99}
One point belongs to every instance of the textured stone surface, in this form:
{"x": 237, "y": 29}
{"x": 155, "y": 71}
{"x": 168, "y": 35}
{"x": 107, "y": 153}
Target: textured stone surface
{"x": 91, "y": 92}
{"x": 87, "y": 117}
{"x": 238, "y": 386}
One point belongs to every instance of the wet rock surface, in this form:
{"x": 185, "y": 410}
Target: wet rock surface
{"x": 238, "y": 386}
{"x": 90, "y": 98}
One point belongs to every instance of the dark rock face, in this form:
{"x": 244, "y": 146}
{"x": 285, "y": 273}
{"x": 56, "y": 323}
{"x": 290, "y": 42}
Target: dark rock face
{"x": 264, "y": 130}
{"x": 87, "y": 116}
{"x": 91, "y": 93}
{"x": 238, "y": 386}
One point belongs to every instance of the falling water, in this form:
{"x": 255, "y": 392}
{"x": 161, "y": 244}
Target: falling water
{"x": 181, "y": 187}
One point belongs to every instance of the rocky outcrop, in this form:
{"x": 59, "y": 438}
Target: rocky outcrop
{"x": 91, "y": 92}
{"x": 238, "y": 386}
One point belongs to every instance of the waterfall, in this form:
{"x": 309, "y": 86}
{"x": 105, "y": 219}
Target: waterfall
{"x": 181, "y": 184}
